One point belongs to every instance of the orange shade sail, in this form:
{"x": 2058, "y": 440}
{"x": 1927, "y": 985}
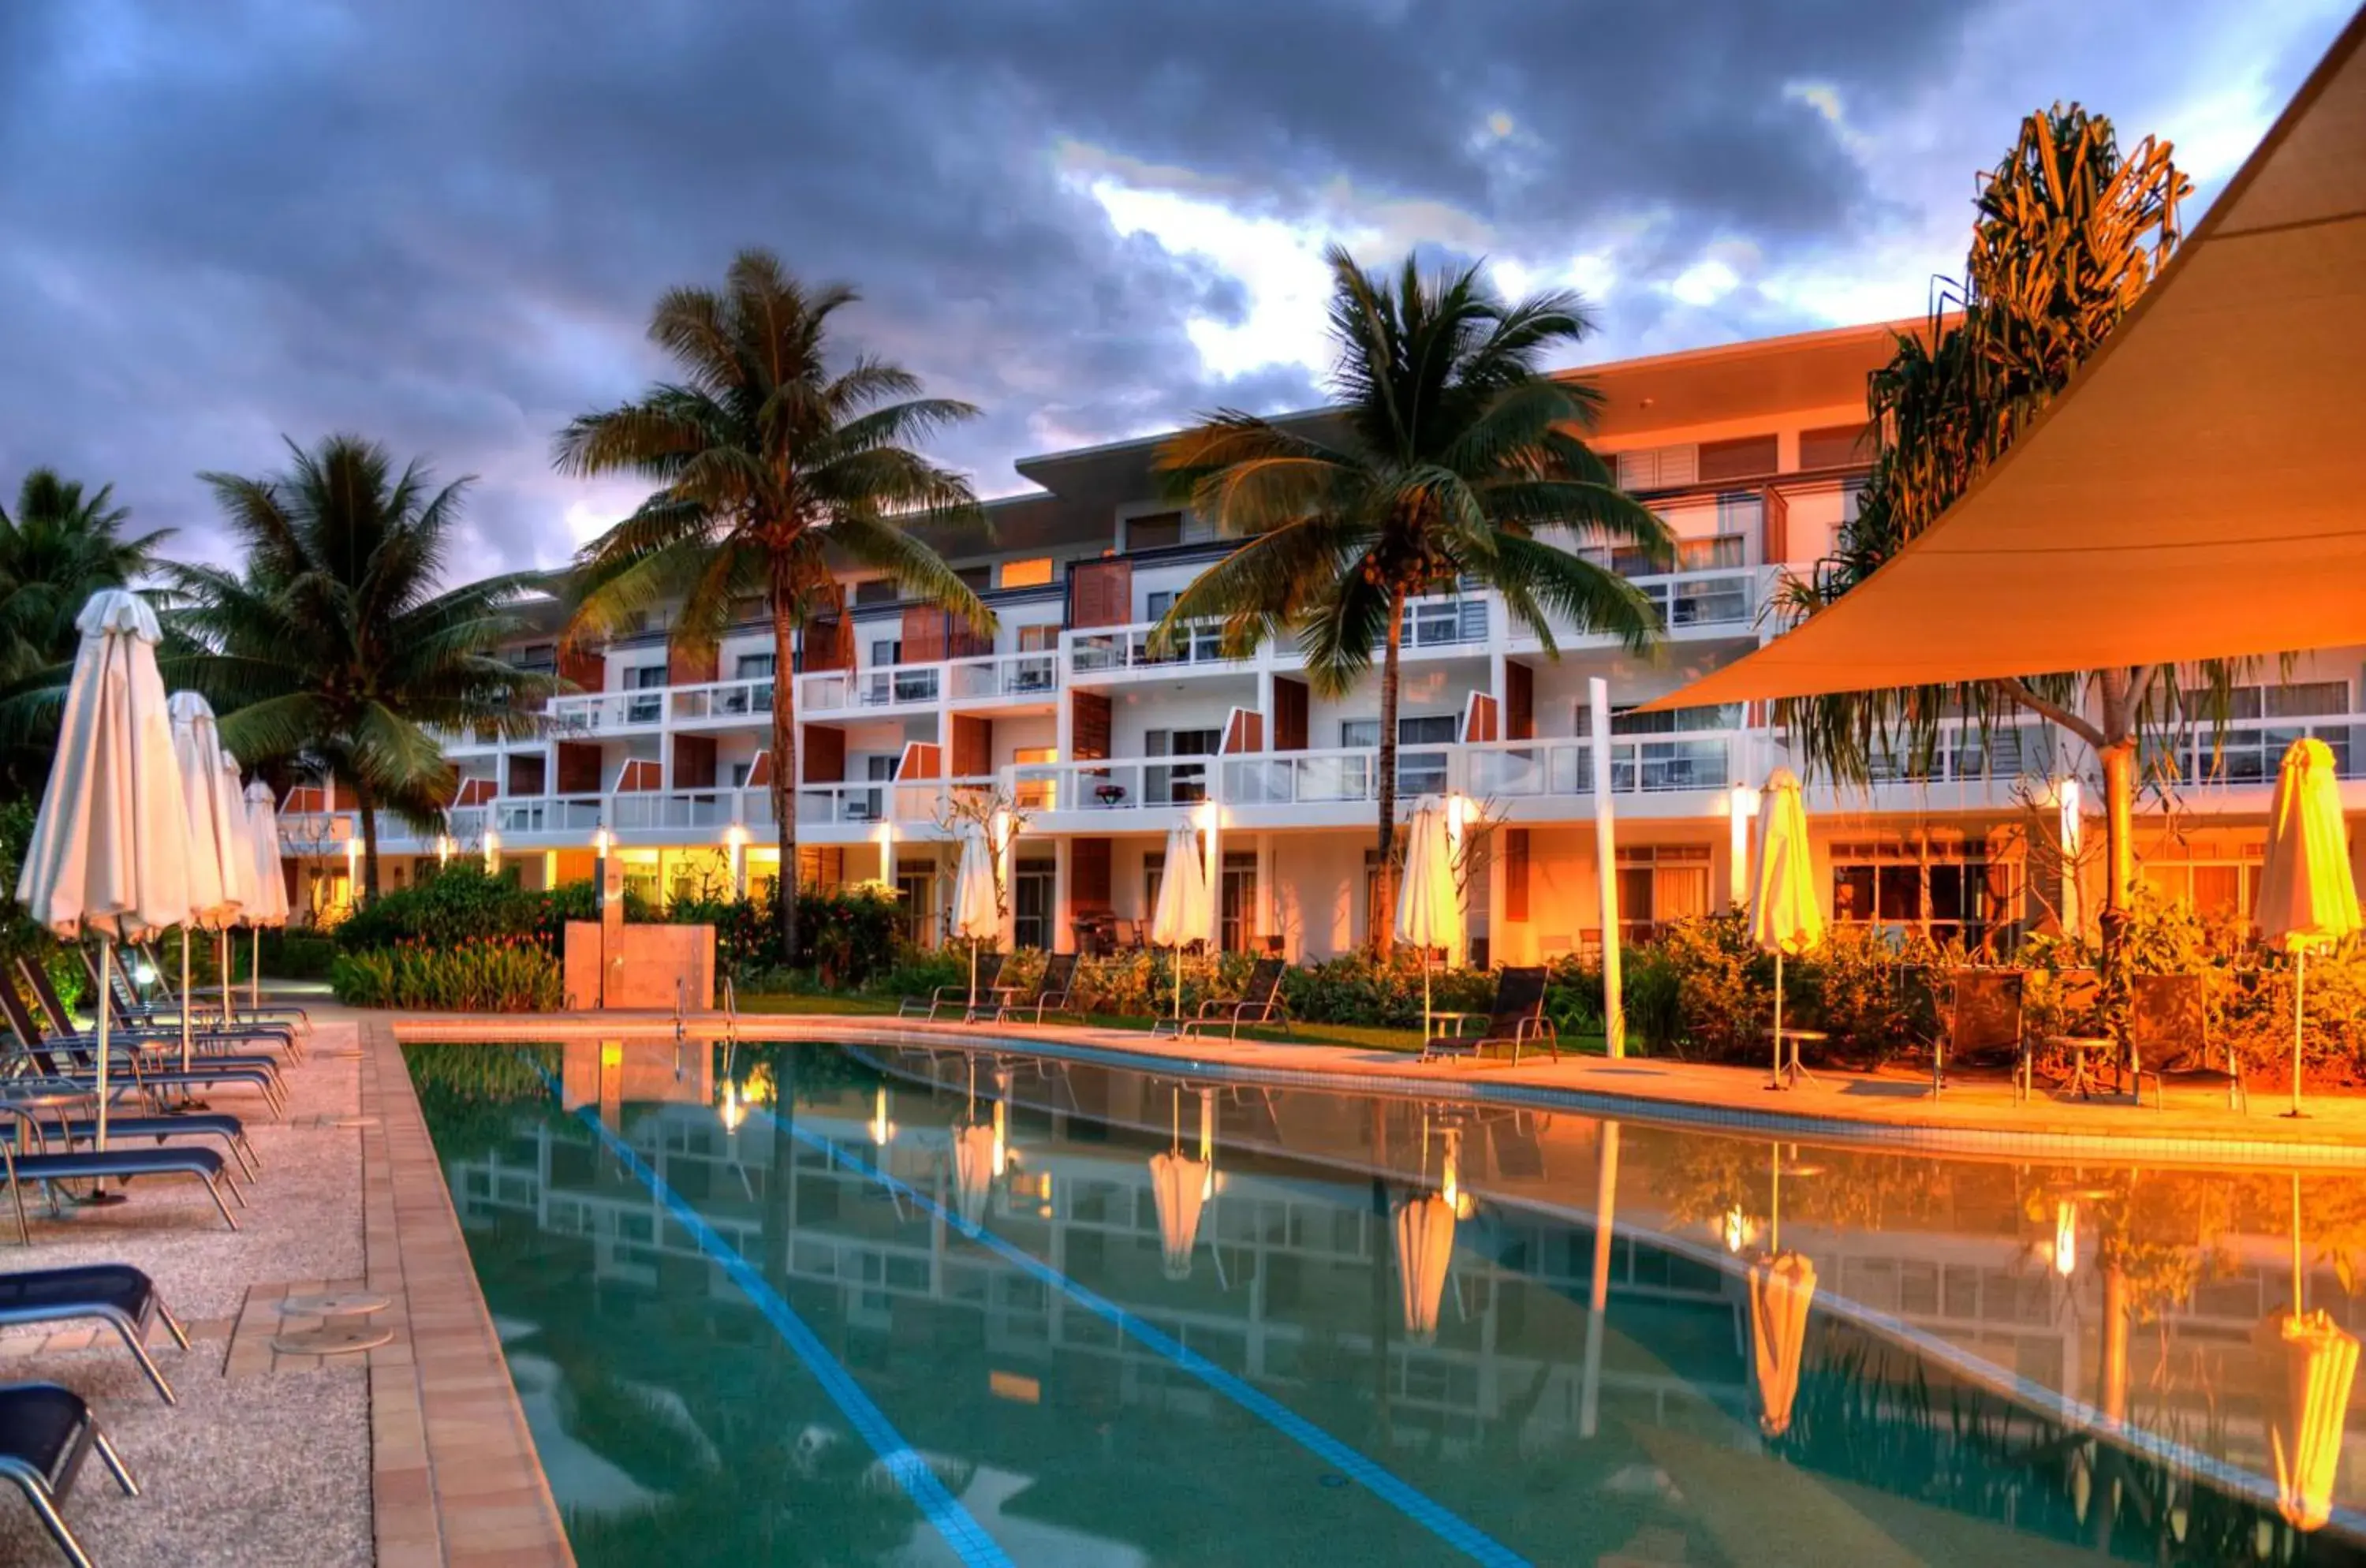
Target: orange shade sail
{"x": 2194, "y": 493}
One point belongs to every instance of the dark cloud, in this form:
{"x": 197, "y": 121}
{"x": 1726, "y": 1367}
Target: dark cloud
{"x": 442, "y": 222}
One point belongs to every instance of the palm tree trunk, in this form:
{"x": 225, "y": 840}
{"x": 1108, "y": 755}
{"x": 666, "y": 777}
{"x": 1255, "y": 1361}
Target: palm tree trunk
{"x": 785, "y": 760}
{"x": 365, "y": 807}
{"x": 2118, "y": 755}
{"x": 1384, "y": 881}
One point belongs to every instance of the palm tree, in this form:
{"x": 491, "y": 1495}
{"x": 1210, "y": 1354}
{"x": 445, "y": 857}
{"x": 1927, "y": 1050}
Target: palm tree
{"x": 2068, "y": 234}
{"x": 770, "y": 465}
{"x": 59, "y": 546}
{"x": 337, "y": 649}
{"x": 1451, "y": 450}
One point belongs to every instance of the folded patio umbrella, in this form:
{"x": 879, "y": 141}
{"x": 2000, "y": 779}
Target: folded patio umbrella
{"x": 1429, "y": 910}
{"x": 1425, "y": 1237}
{"x": 270, "y": 908}
{"x": 109, "y": 851}
{"x": 976, "y": 915}
{"x": 1784, "y": 915}
{"x": 2307, "y": 1362}
{"x": 219, "y": 863}
{"x": 2308, "y": 897}
{"x": 1185, "y": 910}
{"x": 1781, "y": 1290}
{"x": 239, "y": 871}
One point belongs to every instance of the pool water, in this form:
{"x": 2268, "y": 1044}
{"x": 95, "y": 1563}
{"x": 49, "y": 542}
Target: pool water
{"x": 851, "y": 1304}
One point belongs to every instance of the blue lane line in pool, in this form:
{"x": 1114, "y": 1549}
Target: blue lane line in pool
{"x": 1448, "y": 1526}
{"x": 952, "y": 1521}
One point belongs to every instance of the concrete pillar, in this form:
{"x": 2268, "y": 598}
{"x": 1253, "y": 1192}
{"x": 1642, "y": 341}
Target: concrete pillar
{"x": 1605, "y": 859}
{"x": 1268, "y": 905}
{"x": 1215, "y": 863}
{"x": 1063, "y": 910}
{"x": 1497, "y": 927}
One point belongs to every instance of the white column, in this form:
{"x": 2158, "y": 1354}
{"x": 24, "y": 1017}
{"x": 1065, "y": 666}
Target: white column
{"x": 1063, "y": 909}
{"x": 1214, "y": 820}
{"x": 1269, "y": 906}
{"x": 1605, "y": 855}
{"x": 1005, "y": 856}
{"x": 1497, "y": 927}
{"x": 887, "y": 854}
{"x": 1741, "y": 805}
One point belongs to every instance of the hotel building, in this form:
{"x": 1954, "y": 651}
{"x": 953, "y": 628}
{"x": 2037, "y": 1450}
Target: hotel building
{"x": 1752, "y": 452}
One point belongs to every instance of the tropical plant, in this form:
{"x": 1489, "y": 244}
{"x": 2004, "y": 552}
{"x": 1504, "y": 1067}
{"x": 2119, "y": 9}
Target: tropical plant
{"x": 506, "y": 975}
{"x": 59, "y": 546}
{"x": 2068, "y": 234}
{"x": 336, "y": 649}
{"x": 1450, "y": 452}
{"x": 771, "y": 466}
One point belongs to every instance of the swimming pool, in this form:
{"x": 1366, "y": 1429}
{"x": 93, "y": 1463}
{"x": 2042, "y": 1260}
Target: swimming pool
{"x": 867, "y": 1304}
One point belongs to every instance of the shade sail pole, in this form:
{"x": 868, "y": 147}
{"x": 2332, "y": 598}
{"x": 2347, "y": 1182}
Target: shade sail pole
{"x": 1606, "y": 857}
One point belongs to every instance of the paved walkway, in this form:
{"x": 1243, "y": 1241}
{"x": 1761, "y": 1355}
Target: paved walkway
{"x": 1894, "y": 1109}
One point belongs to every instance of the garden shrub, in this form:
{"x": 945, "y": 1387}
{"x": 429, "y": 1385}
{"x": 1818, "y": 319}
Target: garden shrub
{"x": 512, "y": 974}
{"x": 298, "y": 955}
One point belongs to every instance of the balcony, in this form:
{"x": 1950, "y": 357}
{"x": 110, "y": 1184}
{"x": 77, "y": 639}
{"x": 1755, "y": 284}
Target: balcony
{"x": 1014, "y": 677}
{"x": 720, "y": 702}
{"x": 1112, "y": 651}
{"x": 2248, "y": 752}
{"x": 880, "y": 689}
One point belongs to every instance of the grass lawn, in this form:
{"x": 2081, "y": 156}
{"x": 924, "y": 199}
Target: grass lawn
{"x": 1368, "y": 1037}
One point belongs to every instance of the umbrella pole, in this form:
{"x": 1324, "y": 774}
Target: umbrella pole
{"x": 2300, "y": 993}
{"x": 1775, "y": 1075}
{"x": 973, "y": 978}
{"x": 225, "y": 976}
{"x": 1179, "y": 987}
{"x": 1424, "y": 998}
{"x": 106, "y": 961}
{"x": 255, "y": 975}
{"x": 186, "y": 1023}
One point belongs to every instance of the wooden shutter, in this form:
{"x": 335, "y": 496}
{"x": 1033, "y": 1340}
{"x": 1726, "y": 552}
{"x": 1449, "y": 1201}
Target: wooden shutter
{"x": 924, "y": 634}
{"x": 972, "y": 745}
{"x": 1777, "y": 546}
{"x": 822, "y": 754}
{"x": 1100, "y": 593}
{"x": 1088, "y": 874}
{"x": 1289, "y": 715}
{"x": 1516, "y": 874}
{"x": 1088, "y": 726}
{"x": 1520, "y": 701}
{"x": 921, "y": 760}
{"x": 579, "y": 768}
{"x": 1744, "y": 457}
{"x": 693, "y": 762}
{"x": 1243, "y": 731}
{"x": 1836, "y": 446}
{"x": 1479, "y": 718}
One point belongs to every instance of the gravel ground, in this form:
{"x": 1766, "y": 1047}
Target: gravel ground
{"x": 261, "y": 1470}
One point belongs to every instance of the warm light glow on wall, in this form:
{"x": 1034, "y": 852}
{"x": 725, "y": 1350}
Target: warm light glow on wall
{"x": 602, "y": 840}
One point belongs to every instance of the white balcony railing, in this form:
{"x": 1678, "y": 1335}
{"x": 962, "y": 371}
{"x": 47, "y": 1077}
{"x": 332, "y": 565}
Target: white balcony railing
{"x": 1006, "y": 675}
{"x": 720, "y": 701}
{"x": 608, "y": 713}
{"x": 1107, "y": 649}
{"x": 2248, "y": 752}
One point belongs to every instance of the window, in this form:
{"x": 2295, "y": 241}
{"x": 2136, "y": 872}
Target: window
{"x": 1658, "y": 467}
{"x": 1951, "y": 889}
{"x": 540, "y": 659}
{"x": 1437, "y": 622}
{"x": 2226, "y": 887}
{"x": 1719, "y": 553}
{"x": 1418, "y": 772}
{"x": 1159, "y": 603}
{"x": 1027, "y": 573}
{"x": 877, "y": 591}
{"x": 1836, "y": 446}
{"x": 1238, "y": 922}
{"x": 1039, "y": 639}
{"x": 1658, "y": 885}
{"x": 644, "y": 678}
{"x": 1154, "y": 532}
{"x": 1036, "y": 794}
{"x": 2252, "y": 749}
{"x": 1745, "y": 457}
{"x": 979, "y": 578}
{"x": 752, "y": 667}
{"x": 887, "y": 650}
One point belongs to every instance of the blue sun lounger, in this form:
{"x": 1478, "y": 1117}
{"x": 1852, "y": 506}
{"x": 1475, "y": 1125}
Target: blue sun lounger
{"x": 117, "y": 1294}
{"x": 46, "y": 1432}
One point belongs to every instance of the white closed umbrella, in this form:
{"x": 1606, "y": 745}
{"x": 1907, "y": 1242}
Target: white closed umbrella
{"x": 2307, "y": 897}
{"x": 1429, "y": 912}
{"x": 1784, "y": 915}
{"x": 270, "y": 908}
{"x": 976, "y": 914}
{"x": 1185, "y": 910}
{"x": 238, "y": 870}
{"x": 215, "y": 853}
{"x": 109, "y": 851}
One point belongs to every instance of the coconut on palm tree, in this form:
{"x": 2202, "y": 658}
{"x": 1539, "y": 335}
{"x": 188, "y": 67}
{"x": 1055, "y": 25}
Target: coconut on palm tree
{"x": 1451, "y": 451}
{"x": 772, "y": 463}
{"x": 339, "y": 648}
{"x": 59, "y": 546}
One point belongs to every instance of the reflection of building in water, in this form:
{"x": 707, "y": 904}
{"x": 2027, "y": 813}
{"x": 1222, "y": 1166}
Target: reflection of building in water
{"x": 1295, "y": 1275}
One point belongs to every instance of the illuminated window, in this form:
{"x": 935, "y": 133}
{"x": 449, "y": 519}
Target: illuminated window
{"x": 1027, "y": 573}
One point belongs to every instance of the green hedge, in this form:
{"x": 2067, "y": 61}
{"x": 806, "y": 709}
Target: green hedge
{"x": 503, "y": 974}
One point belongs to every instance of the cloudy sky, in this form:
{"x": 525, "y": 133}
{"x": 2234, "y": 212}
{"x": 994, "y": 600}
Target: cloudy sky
{"x": 442, "y": 222}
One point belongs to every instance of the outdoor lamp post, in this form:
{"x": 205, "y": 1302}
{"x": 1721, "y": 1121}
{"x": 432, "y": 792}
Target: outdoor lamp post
{"x": 1741, "y": 805}
{"x": 492, "y": 852}
{"x": 735, "y": 850}
{"x": 353, "y": 872}
{"x": 603, "y": 842}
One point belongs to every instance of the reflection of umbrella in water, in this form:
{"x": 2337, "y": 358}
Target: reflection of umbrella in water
{"x": 1782, "y": 1291}
{"x": 1179, "y": 1187}
{"x": 1425, "y": 1237}
{"x": 2307, "y": 1363}
{"x": 973, "y": 1152}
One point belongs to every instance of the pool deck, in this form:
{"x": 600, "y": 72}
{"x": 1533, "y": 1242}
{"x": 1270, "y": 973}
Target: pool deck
{"x": 1892, "y": 1109}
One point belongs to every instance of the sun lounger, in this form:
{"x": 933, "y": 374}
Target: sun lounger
{"x": 71, "y": 1131}
{"x": 143, "y": 1065}
{"x": 1984, "y": 1028}
{"x": 2169, "y": 1030}
{"x": 130, "y": 1015}
{"x": 211, "y": 1045}
{"x": 990, "y": 969}
{"x": 1049, "y": 994}
{"x": 1517, "y": 1020}
{"x": 115, "y": 1164}
{"x": 117, "y": 1294}
{"x": 46, "y": 1432}
{"x": 266, "y": 1012}
{"x": 1260, "y": 1002}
